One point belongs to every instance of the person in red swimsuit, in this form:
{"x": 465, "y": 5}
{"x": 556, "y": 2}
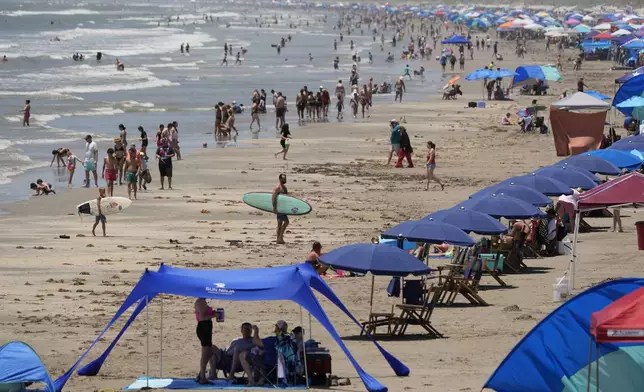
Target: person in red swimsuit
{"x": 431, "y": 165}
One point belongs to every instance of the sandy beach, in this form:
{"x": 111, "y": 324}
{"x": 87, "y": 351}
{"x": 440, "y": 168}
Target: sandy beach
{"x": 57, "y": 294}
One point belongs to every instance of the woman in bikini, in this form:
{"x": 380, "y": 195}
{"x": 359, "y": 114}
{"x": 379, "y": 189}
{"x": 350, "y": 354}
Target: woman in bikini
{"x": 431, "y": 165}
{"x": 110, "y": 170}
{"x": 119, "y": 155}
{"x": 204, "y": 315}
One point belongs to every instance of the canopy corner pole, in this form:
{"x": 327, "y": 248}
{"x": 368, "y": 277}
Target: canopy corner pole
{"x": 161, "y": 340}
{"x": 310, "y": 326}
{"x": 373, "y": 278}
{"x": 573, "y": 257}
{"x": 306, "y": 368}
{"x": 147, "y": 342}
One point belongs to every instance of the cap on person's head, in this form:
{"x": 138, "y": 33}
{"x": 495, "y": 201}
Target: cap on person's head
{"x": 121, "y": 126}
{"x": 140, "y": 128}
{"x": 393, "y": 120}
{"x": 282, "y": 325}
{"x": 88, "y": 137}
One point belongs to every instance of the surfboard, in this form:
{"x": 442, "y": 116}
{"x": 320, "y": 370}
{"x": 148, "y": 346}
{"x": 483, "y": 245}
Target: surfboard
{"x": 109, "y": 206}
{"x": 286, "y": 205}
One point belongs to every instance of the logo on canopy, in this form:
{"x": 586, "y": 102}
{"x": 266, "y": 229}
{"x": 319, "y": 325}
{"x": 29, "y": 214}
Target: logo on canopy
{"x": 219, "y": 288}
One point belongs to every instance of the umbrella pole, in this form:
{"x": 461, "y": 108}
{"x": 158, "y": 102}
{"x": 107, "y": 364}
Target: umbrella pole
{"x": 373, "y": 278}
{"x": 596, "y": 365}
{"x": 590, "y": 362}
{"x": 571, "y": 268}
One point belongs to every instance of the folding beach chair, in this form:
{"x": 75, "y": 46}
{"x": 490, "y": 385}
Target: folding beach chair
{"x": 466, "y": 285}
{"x": 266, "y": 362}
{"x": 494, "y": 270}
{"x": 419, "y": 303}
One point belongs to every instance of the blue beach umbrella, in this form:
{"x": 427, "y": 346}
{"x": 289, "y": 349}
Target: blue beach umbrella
{"x": 569, "y": 176}
{"x": 580, "y": 170}
{"x": 619, "y": 158}
{"x": 430, "y": 232}
{"x": 502, "y": 206}
{"x": 479, "y": 74}
{"x": 632, "y": 102}
{"x": 546, "y": 185}
{"x": 520, "y": 192}
{"x": 597, "y": 95}
{"x": 593, "y": 163}
{"x": 379, "y": 260}
{"x": 502, "y": 73}
{"x": 469, "y": 221}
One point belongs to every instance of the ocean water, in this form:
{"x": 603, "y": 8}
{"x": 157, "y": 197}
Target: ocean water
{"x": 71, "y": 99}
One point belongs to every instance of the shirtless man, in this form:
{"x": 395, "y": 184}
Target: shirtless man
{"x": 26, "y": 113}
{"x": 280, "y": 110}
{"x": 110, "y": 170}
{"x": 282, "y": 219}
{"x": 132, "y": 169}
{"x": 339, "y": 91}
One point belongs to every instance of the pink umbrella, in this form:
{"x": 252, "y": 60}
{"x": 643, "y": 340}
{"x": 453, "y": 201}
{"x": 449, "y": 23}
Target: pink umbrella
{"x": 572, "y": 22}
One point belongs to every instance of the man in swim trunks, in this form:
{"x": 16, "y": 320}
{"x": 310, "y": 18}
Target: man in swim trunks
{"x": 91, "y": 157}
{"x": 282, "y": 219}
{"x": 110, "y": 170}
{"x": 132, "y": 165}
{"x": 280, "y": 110}
{"x": 230, "y": 360}
{"x": 100, "y": 217}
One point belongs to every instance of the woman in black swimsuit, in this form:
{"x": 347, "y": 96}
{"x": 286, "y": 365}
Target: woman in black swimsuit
{"x": 285, "y": 135}
{"x": 205, "y": 314}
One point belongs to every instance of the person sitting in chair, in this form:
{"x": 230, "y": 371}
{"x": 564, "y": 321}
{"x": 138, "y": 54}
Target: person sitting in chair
{"x": 287, "y": 348}
{"x": 518, "y": 230}
{"x": 233, "y": 359}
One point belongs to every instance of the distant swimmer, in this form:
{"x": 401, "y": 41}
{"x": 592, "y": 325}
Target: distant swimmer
{"x": 351, "y": 45}
{"x": 238, "y": 59}
{"x": 4, "y": 59}
{"x": 226, "y": 47}
{"x": 119, "y": 65}
{"x": 335, "y": 44}
{"x": 181, "y": 47}
{"x": 339, "y": 91}
{"x": 26, "y": 113}
{"x": 336, "y": 63}
{"x": 225, "y": 60}
{"x": 370, "y": 58}
{"x": 187, "y": 48}
{"x": 310, "y": 58}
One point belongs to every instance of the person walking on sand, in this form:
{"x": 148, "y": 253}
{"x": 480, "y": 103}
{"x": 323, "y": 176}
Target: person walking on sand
{"x": 254, "y": 114}
{"x": 26, "y": 113}
{"x": 144, "y": 140}
{"x": 282, "y": 219}
{"x": 405, "y": 149}
{"x": 394, "y": 139}
{"x": 99, "y": 217}
{"x": 400, "y": 89}
{"x": 431, "y": 165}
{"x": 110, "y": 170}
{"x": 71, "y": 166}
{"x": 164, "y": 156}
{"x": 284, "y": 141}
{"x": 91, "y": 157}
{"x": 132, "y": 165}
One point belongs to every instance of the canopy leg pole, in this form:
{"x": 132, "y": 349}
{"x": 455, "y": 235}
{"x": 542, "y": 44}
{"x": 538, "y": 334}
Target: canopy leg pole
{"x": 310, "y": 327}
{"x": 147, "y": 342}
{"x": 571, "y": 269}
{"x": 306, "y": 368}
{"x": 371, "y": 300}
{"x": 590, "y": 362}
{"x": 161, "y": 340}
{"x": 596, "y": 365}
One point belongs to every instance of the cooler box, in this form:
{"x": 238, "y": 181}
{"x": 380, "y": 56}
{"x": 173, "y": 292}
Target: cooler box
{"x": 318, "y": 366}
{"x": 480, "y": 104}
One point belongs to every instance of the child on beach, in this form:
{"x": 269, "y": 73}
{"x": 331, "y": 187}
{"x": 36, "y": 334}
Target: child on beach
{"x": 144, "y": 172}
{"x": 132, "y": 166}
{"x": 110, "y": 170}
{"x": 340, "y": 106}
{"x": 100, "y": 217}
{"x": 42, "y": 187}
{"x": 71, "y": 166}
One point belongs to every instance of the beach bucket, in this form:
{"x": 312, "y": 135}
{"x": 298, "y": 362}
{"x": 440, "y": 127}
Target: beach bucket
{"x": 480, "y": 104}
{"x": 560, "y": 289}
{"x": 205, "y": 145}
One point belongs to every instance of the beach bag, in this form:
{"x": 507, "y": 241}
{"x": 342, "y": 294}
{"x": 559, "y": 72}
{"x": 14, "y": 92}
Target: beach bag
{"x": 471, "y": 104}
{"x": 147, "y": 176}
{"x": 393, "y": 288}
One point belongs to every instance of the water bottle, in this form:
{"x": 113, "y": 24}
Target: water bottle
{"x": 220, "y": 315}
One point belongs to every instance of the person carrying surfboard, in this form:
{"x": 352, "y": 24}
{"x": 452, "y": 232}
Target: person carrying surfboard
{"x": 282, "y": 219}
{"x": 99, "y": 217}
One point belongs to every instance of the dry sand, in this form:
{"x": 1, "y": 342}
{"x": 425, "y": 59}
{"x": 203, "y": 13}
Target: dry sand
{"x": 57, "y": 294}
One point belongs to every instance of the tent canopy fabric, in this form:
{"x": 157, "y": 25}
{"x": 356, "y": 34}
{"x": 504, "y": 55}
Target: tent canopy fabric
{"x": 529, "y": 74}
{"x": 294, "y": 283}
{"x": 622, "y": 321}
{"x": 469, "y": 221}
{"x": 379, "y": 260}
{"x": 580, "y": 101}
{"x": 553, "y": 356}
{"x": 19, "y": 363}
{"x": 455, "y": 40}
{"x": 627, "y": 189}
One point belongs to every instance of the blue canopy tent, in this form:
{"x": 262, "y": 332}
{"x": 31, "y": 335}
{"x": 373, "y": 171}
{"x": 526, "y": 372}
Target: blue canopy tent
{"x": 546, "y": 185}
{"x": 293, "y": 283}
{"x": 455, "y": 40}
{"x": 554, "y": 356}
{"x": 469, "y": 221}
{"x": 529, "y": 74}
{"x": 634, "y": 87}
{"x": 20, "y": 364}
{"x": 521, "y": 192}
{"x": 593, "y": 163}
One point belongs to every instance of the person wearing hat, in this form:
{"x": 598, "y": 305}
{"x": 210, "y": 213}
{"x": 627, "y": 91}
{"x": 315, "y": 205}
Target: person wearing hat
{"x": 394, "y": 139}
{"x": 91, "y": 157}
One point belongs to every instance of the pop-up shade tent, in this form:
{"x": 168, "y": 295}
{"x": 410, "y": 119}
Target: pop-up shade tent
{"x": 576, "y": 131}
{"x": 624, "y": 190}
{"x": 554, "y": 355}
{"x": 19, "y": 364}
{"x": 455, "y": 40}
{"x": 290, "y": 283}
{"x": 529, "y": 74}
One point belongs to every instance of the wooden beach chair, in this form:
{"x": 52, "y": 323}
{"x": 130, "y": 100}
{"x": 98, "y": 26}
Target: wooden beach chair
{"x": 491, "y": 267}
{"x": 387, "y": 319}
{"x": 417, "y": 310}
{"x": 514, "y": 261}
{"x": 466, "y": 284}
